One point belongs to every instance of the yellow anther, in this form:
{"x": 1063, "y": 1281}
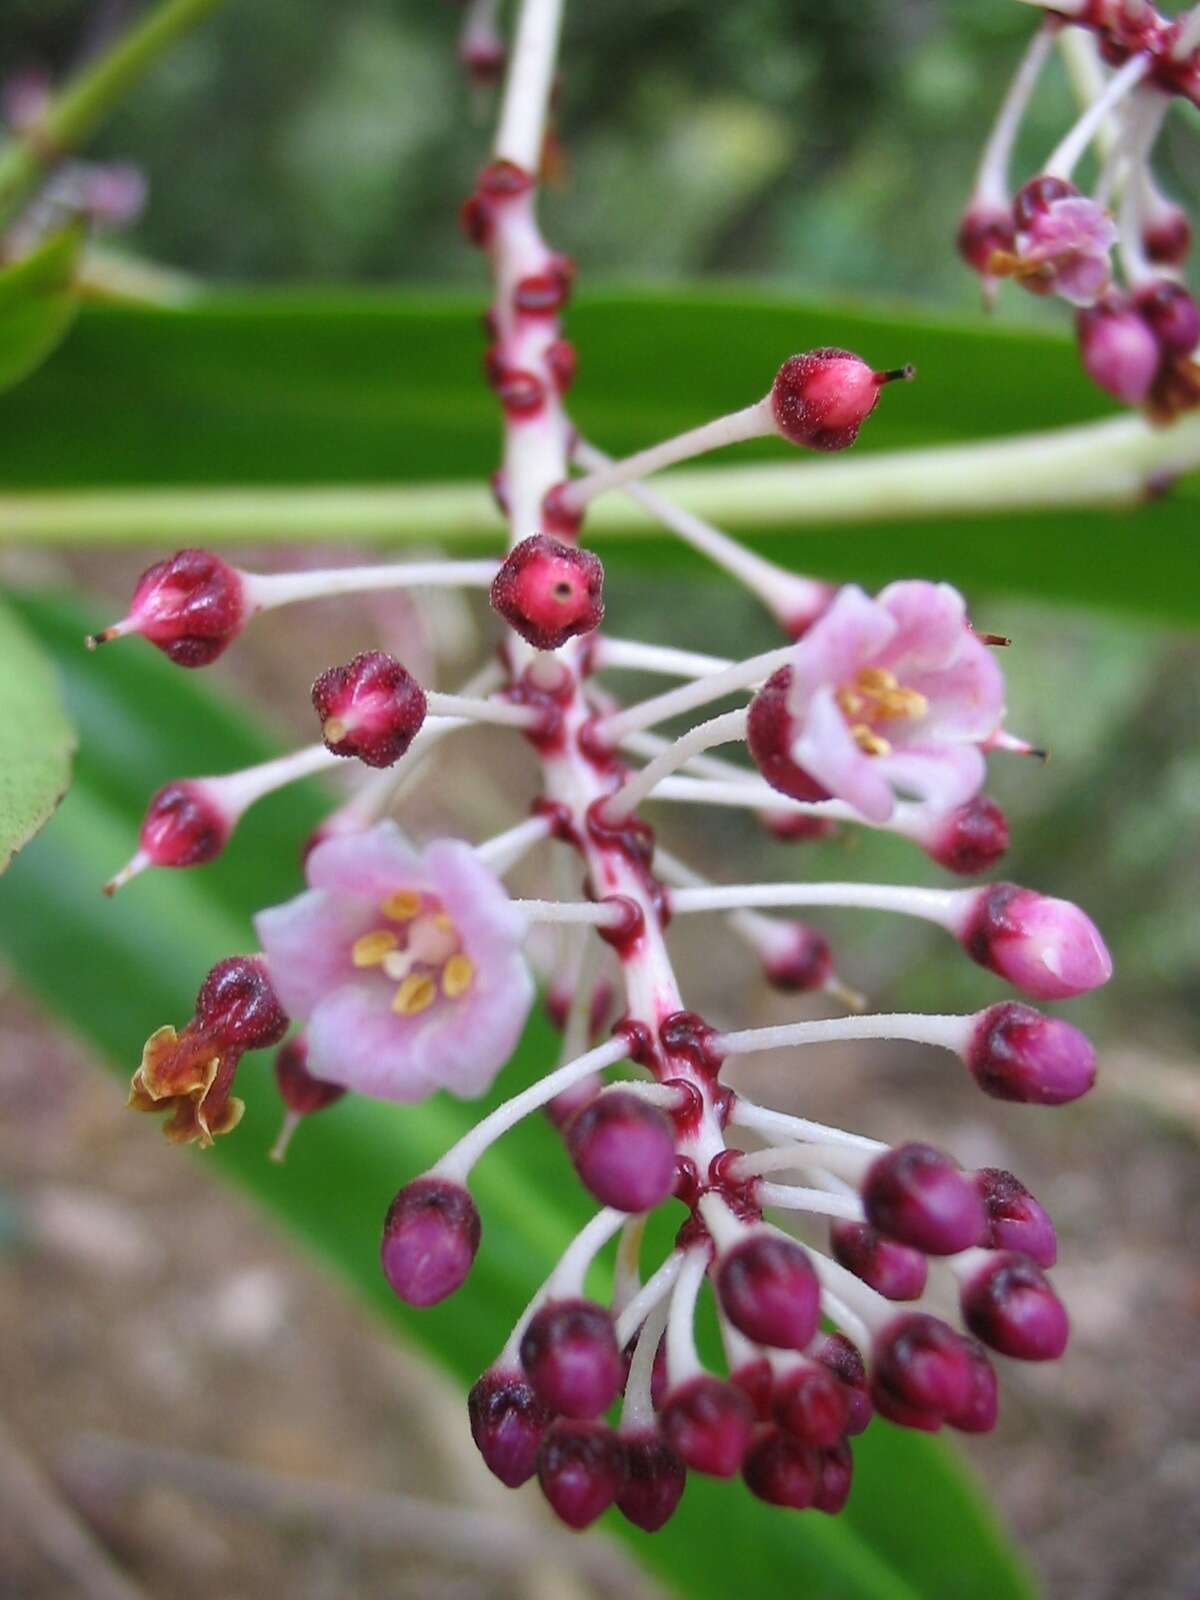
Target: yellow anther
{"x": 370, "y": 949}
{"x": 445, "y": 922}
{"x": 870, "y": 741}
{"x": 416, "y": 993}
{"x": 457, "y": 976}
{"x": 873, "y": 680}
{"x": 334, "y": 731}
{"x": 402, "y": 906}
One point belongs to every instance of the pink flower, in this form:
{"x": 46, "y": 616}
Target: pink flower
{"x": 1063, "y": 246}
{"x": 405, "y": 966}
{"x": 895, "y": 693}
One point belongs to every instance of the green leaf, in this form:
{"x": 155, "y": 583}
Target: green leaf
{"x": 915, "y": 1530}
{"x": 36, "y": 739}
{"x": 283, "y": 389}
{"x": 38, "y": 302}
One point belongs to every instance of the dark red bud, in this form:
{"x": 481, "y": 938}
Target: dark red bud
{"x": 1171, "y": 314}
{"x": 371, "y": 709}
{"x": 624, "y": 1151}
{"x": 192, "y": 605}
{"x": 184, "y": 825}
{"x": 893, "y": 1270}
{"x": 970, "y": 839}
{"x": 769, "y": 1291}
{"x": 430, "y": 1236}
{"x": 1036, "y": 197}
{"x": 709, "y": 1423}
{"x": 984, "y": 230}
{"x": 837, "y": 1473}
{"x": 1168, "y": 238}
{"x": 569, "y": 1353}
{"x": 804, "y": 963}
{"x": 238, "y": 1005}
{"x": 844, "y": 1360}
{"x": 782, "y": 1471}
{"x": 770, "y": 729}
{"x": 581, "y": 1468}
{"x": 979, "y": 1412}
{"x": 917, "y": 1195}
{"x": 298, "y": 1089}
{"x": 1016, "y": 1053}
{"x": 1015, "y": 1220}
{"x": 654, "y": 1482}
{"x": 812, "y": 1404}
{"x": 921, "y": 1371}
{"x": 507, "y": 1424}
{"x": 1009, "y": 1304}
{"x": 821, "y": 399}
{"x": 549, "y": 591}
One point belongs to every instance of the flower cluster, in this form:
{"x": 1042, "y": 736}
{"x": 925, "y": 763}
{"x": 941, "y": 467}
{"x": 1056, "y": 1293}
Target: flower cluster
{"x": 406, "y": 969}
{"x": 1138, "y": 336}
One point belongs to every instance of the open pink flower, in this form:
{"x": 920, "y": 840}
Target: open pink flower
{"x": 1063, "y": 248}
{"x": 895, "y": 693}
{"x": 405, "y": 966}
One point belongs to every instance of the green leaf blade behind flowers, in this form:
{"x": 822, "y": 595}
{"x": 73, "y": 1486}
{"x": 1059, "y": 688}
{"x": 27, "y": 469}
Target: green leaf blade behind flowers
{"x": 38, "y": 302}
{"x": 36, "y": 738}
{"x": 916, "y": 1529}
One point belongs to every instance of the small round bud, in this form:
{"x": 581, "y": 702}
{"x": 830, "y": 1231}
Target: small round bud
{"x": 1118, "y": 349}
{"x": 1035, "y": 198}
{"x": 769, "y": 1291}
{"x": 1010, "y": 1305}
{"x": 968, "y": 840}
{"x": 1171, "y": 314}
{"x": 549, "y": 591}
{"x": 581, "y": 1468}
{"x": 185, "y": 826}
{"x": 979, "y": 1412}
{"x": 782, "y": 1471}
{"x": 921, "y": 1371}
{"x": 1016, "y": 1053}
{"x": 821, "y": 399}
{"x": 371, "y": 709}
{"x": 837, "y": 1473}
{"x": 298, "y": 1089}
{"x": 624, "y": 1151}
{"x": 559, "y": 519}
{"x": 893, "y": 1270}
{"x": 769, "y": 731}
{"x": 507, "y": 1424}
{"x": 654, "y": 1482}
{"x": 430, "y": 1237}
{"x": 801, "y": 961}
{"x": 238, "y": 1005}
{"x": 1167, "y": 237}
{"x": 756, "y": 1380}
{"x": 1015, "y": 1220}
{"x": 709, "y": 1423}
{"x": 1047, "y": 947}
{"x": 192, "y": 605}
{"x": 984, "y": 230}
{"x": 844, "y": 1360}
{"x": 917, "y": 1195}
{"x": 796, "y": 826}
{"x": 569, "y": 1352}
{"x": 812, "y": 1404}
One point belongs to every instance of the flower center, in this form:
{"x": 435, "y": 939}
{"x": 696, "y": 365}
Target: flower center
{"x": 872, "y": 696}
{"x": 419, "y": 949}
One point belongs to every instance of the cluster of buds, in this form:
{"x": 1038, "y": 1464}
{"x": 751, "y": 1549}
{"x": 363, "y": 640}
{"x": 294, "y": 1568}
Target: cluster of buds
{"x": 1137, "y": 336}
{"x": 405, "y": 969}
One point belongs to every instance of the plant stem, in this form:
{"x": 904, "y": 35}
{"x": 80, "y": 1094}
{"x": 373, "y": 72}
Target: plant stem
{"x": 76, "y": 112}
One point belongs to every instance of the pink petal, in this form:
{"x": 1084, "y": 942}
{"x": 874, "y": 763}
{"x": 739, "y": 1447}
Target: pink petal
{"x": 826, "y": 749}
{"x": 475, "y": 898}
{"x": 373, "y": 862}
{"x": 307, "y": 944}
{"x": 942, "y": 776}
{"x": 851, "y": 634}
{"x": 966, "y": 699}
{"x": 931, "y": 620}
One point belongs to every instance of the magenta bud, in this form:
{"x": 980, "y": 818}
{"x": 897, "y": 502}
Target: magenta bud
{"x": 238, "y": 1005}
{"x": 782, "y": 1471}
{"x": 654, "y": 1482}
{"x": 917, "y": 1195}
{"x": 770, "y": 727}
{"x": 623, "y": 1150}
{"x": 801, "y": 961}
{"x": 812, "y": 1404}
{"x": 709, "y": 1423}
{"x": 430, "y": 1237}
{"x": 983, "y": 230}
{"x": 371, "y": 709}
{"x": 982, "y": 1406}
{"x": 571, "y": 1101}
{"x": 192, "y": 605}
{"x": 921, "y": 1371}
{"x": 844, "y": 1360}
{"x": 1016, "y": 1053}
{"x": 1047, "y": 947}
{"x": 1171, "y": 314}
{"x": 1015, "y": 1220}
{"x": 298, "y": 1089}
{"x": 822, "y": 398}
{"x": 756, "y": 1380}
{"x": 581, "y": 1468}
{"x": 969, "y": 839}
{"x": 185, "y": 825}
{"x": 507, "y": 1424}
{"x": 1167, "y": 238}
{"x": 769, "y": 1291}
{"x": 1118, "y": 349}
{"x": 1009, "y": 1304}
{"x": 549, "y": 591}
{"x": 837, "y": 1475}
{"x": 893, "y": 1270}
{"x": 569, "y": 1353}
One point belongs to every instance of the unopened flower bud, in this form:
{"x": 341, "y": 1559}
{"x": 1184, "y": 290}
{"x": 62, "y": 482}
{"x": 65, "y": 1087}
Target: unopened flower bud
{"x": 1172, "y": 315}
{"x": 921, "y": 1371}
{"x": 756, "y": 1380}
{"x": 581, "y": 1468}
{"x": 185, "y": 825}
{"x": 978, "y": 1413}
{"x": 983, "y": 230}
{"x": 549, "y": 591}
{"x": 1047, "y": 947}
{"x": 968, "y": 840}
{"x": 709, "y": 1423}
{"x": 822, "y": 398}
{"x": 837, "y": 1473}
{"x": 507, "y": 1424}
{"x": 238, "y": 1005}
{"x": 770, "y": 730}
{"x": 1015, "y": 1220}
{"x": 298, "y": 1089}
{"x": 1118, "y": 349}
{"x": 624, "y": 1151}
{"x": 812, "y": 1404}
{"x": 844, "y": 1360}
{"x": 371, "y": 709}
{"x": 569, "y": 1353}
{"x": 1016, "y": 1053}
{"x": 795, "y": 826}
{"x": 917, "y": 1195}
{"x": 769, "y": 1291}
{"x": 430, "y": 1236}
{"x": 1009, "y": 1304}
{"x": 800, "y": 960}
{"x": 893, "y": 1270}
{"x": 1167, "y": 237}
{"x": 191, "y": 606}
{"x": 782, "y": 1470}
{"x": 655, "y": 1478}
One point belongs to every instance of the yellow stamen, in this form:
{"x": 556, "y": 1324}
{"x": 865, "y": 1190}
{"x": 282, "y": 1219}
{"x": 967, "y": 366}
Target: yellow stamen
{"x": 370, "y": 949}
{"x": 870, "y": 741}
{"x": 444, "y": 921}
{"x": 402, "y": 906}
{"x": 457, "y": 976}
{"x": 334, "y": 730}
{"x": 416, "y": 993}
